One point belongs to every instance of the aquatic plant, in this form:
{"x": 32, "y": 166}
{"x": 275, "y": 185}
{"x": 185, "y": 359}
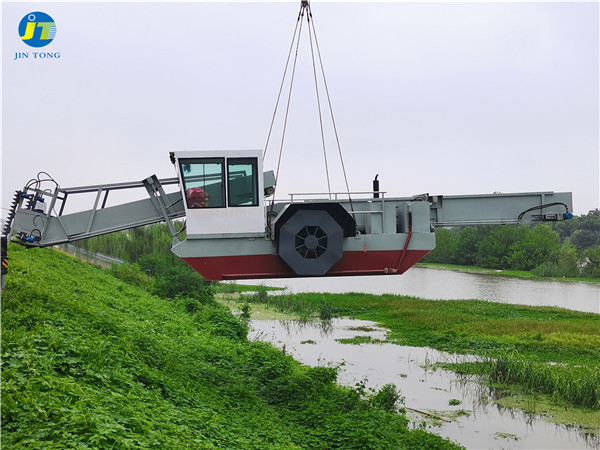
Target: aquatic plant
{"x": 325, "y": 311}
{"x": 570, "y": 340}
{"x": 388, "y": 398}
{"x": 245, "y": 312}
{"x": 356, "y": 340}
{"x": 578, "y": 385}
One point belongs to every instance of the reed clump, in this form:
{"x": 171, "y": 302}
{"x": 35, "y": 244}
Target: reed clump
{"x": 577, "y": 385}
{"x": 299, "y": 304}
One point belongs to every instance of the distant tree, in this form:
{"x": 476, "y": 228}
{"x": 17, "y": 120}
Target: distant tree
{"x": 566, "y": 228}
{"x": 467, "y": 245}
{"x": 495, "y": 251}
{"x": 585, "y": 238}
{"x": 534, "y": 247}
{"x": 583, "y": 231}
{"x": 592, "y": 263}
{"x": 445, "y": 243}
{"x": 131, "y": 245}
{"x": 568, "y": 260}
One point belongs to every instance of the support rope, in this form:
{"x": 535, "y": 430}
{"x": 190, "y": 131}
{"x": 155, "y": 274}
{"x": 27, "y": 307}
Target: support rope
{"x": 287, "y": 110}
{"x": 305, "y": 8}
{"x": 312, "y": 54}
{"x": 337, "y": 139}
{"x": 287, "y": 62}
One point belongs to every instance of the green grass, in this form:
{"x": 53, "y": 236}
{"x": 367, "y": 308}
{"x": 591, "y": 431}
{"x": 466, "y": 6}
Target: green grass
{"x": 232, "y": 288}
{"x": 89, "y": 361}
{"x": 357, "y": 340}
{"x": 578, "y": 385}
{"x": 550, "y": 350}
{"x": 587, "y": 419}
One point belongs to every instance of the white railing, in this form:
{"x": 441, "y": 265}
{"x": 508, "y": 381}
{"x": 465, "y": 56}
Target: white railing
{"x": 335, "y": 196}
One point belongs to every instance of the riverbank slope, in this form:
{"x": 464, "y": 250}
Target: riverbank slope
{"x": 90, "y": 361}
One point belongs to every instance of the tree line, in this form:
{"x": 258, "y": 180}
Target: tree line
{"x": 565, "y": 249}
{"x": 130, "y": 245}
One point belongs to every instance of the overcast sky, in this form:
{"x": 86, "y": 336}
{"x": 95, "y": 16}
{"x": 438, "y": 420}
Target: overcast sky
{"x": 444, "y": 98}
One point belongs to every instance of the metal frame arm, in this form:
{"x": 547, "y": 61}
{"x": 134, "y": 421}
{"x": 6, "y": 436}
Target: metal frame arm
{"x": 500, "y": 208}
{"x": 33, "y": 223}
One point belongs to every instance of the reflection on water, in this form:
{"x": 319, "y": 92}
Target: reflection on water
{"x": 450, "y": 285}
{"x": 485, "y": 425}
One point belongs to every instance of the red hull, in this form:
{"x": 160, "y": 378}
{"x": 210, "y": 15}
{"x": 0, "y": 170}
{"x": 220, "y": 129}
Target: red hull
{"x": 272, "y": 266}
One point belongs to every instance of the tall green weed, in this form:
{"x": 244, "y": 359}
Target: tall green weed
{"x": 579, "y": 386}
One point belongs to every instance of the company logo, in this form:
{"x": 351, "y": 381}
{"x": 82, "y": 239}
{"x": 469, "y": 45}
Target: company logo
{"x": 37, "y": 29}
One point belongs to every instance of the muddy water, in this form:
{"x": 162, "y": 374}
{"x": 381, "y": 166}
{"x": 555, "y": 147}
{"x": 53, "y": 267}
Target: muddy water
{"x": 477, "y": 422}
{"x": 451, "y": 285}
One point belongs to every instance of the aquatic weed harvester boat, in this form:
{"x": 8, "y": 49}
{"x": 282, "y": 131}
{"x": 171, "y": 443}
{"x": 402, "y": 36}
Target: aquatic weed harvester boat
{"x": 235, "y": 229}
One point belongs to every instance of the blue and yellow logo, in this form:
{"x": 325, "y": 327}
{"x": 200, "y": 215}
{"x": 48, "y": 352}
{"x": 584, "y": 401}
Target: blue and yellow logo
{"x": 37, "y": 29}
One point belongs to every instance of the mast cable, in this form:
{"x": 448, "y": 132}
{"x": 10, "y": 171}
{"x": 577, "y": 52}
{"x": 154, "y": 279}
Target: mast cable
{"x": 337, "y": 139}
{"x": 287, "y": 110}
{"x": 282, "y": 84}
{"x": 312, "y": 54}
{"x": 305, "y": 7}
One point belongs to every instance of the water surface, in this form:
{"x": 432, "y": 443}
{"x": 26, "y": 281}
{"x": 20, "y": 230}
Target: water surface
{"x": 486, "y": 424}
{"x": 435, "y": 284}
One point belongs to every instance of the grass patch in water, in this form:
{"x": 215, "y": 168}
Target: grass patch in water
{"x": 565, "y": 384}
{"x": 258, "y": 311}
{"x": 357, "y": 340}
{"x": 507, "y": 436}
{"x": 232, "y": 288}
{"x": 294, "y": 304}
{"x": 587, "y": 418}
{"x": 364, "y": 328}
{"x": 558, "y": 350}
{"x": 578, "y": 385}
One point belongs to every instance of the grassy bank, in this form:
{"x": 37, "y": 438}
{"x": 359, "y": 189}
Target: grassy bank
{"x": 543, "y": 350}
{"x": 89, "y": 361}
{"x": 505, "y": 273}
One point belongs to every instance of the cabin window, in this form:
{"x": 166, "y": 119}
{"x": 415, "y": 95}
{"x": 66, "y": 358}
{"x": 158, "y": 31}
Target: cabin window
{"x": 204, "y": 182}
{"x": 242, "y": 181}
